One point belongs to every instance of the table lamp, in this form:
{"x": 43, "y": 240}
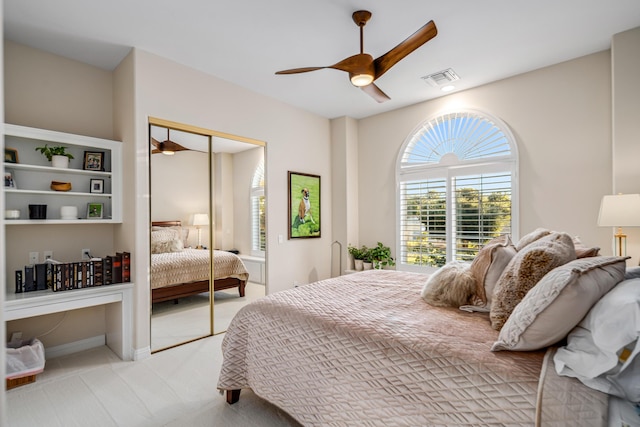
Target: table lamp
{"x": 199, "y": 220}
{"x": 620, "y": 210}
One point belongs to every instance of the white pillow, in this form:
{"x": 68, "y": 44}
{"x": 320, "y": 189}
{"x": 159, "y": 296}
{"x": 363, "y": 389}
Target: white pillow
{"x": 555, "y": 305}
{"x": 602, "y": 351}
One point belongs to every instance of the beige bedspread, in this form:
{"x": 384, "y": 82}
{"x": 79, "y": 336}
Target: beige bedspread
{"x": 190, "y": 265}
{"x": 365, "y": 349}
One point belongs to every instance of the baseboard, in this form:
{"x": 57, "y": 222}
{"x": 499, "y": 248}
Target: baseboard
{"x": 74, "y": 347}
{"x": 142, "y": 353}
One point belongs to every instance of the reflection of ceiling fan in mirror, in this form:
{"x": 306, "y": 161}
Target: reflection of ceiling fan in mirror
{"x": 363, "y": 69}
{"x": 166, "y": 147}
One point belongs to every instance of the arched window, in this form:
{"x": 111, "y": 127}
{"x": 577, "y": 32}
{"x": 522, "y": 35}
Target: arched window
{"x": 258, "y": 222}
{"x": 457, "y": 175}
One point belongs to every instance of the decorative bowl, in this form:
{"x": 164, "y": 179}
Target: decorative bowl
{"x": 60, "y": 186}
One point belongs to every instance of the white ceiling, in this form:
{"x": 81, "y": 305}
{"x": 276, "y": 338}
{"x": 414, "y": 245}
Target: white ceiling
{"x": 247, "y": 41}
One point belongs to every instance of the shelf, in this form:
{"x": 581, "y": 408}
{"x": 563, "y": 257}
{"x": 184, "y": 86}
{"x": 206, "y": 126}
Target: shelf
{"x": 58, "y": 221}
{"x": 50, "y": 169}
{"x": 55, "y": 193}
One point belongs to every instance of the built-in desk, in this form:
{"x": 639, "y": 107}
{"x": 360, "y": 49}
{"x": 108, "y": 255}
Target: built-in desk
{"x": 117, "y": 299}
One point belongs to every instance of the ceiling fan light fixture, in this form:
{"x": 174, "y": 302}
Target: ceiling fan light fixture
{"x": 362, "y": 79}
{"x": 168, "y": 152}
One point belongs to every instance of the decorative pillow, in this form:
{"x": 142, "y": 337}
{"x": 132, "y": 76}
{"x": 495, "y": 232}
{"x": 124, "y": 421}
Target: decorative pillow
{"x": 452, "y": 285}
{"x": 525, "y": 270}
{"x": 527, "y": 239}
{"x": 183, "y": 232}
{"x": 583, "y": 251}
{"x": 165, "y": 234}
{"x": 174, "y": 245}
{"x": 558, "y": 302}
{"x": 602, "y": 351}
{"x": 632, "y": 273}
{"x": 489, "y": 264}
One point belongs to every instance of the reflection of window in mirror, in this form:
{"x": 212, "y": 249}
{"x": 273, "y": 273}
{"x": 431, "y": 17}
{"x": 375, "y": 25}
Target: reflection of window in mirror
{"x": 258, "y": 221}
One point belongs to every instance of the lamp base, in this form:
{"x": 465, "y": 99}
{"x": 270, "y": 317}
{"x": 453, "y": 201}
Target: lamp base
{"x": 621, "y": 242}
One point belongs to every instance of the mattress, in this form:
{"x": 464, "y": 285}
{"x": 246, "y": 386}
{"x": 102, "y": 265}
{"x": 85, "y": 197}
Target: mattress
{"x": 190, "y": 265}
{"x": 365, "y": 349}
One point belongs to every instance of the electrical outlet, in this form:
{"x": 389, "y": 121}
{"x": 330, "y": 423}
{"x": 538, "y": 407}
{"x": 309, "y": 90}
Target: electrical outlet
{"x": 86, "y": 254}
{"x": 47, "y": 255}
{"x": 34, "y": 257}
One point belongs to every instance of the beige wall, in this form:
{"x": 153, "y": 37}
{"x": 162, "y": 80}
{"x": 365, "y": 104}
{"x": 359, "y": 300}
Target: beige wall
{"x": 561, "y": 119}
{"x": 625, "y": 55}
{"x": 3, "y": 401}
{"x": 296, "y": 140}
{"x": 51, "y": 92}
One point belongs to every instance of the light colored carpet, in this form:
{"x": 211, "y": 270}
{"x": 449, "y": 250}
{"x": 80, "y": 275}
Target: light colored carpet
{"x": 173, "y": 388}
{"x": 173, "y": 324}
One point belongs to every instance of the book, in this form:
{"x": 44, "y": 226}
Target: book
{"x": 29, "y": 278}
{"x": 41, "y": 277}
{"x": 97, "y": 271}
{"x": 107, "y": 273}
{"x": 126, "y": 267}
{"x": 84, "y": 267}
{"x": 18, "y": 281}
{"x": 116, "y": 267}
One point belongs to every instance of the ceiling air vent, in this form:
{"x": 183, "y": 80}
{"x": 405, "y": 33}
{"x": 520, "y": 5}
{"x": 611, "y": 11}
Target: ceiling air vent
{"x": 441, "y": 78}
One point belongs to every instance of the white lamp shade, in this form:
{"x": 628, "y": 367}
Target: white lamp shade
{"x": 620, "y": 210}
{"x": 201, "y": 219}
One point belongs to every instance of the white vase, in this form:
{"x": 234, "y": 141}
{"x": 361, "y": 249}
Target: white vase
{"x": 358, "y": 264}
{"x": 60, "y": 161}
{"x": 367, "y": 265}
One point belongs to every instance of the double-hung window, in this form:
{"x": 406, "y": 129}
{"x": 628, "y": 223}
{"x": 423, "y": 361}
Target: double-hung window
{"x": 258, "y": 220}
{"x": 457, "y": 176}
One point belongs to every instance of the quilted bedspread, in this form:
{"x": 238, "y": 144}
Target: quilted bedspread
{"x": 190, "y": 265}
{"x": 365, "y": 349}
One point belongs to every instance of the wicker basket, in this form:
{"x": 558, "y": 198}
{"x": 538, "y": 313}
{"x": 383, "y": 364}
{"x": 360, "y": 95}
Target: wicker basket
{"x": 17, "y": 382}
{"x": 60, "y": 186}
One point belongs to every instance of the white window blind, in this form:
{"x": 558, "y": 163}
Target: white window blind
{"x": 456, "y": 189}
{"x": 258, "y": 218}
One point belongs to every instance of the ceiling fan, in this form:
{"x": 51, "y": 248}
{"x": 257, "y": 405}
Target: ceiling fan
{"x": 363, "y": 69}
{"x": 167, "y": 147}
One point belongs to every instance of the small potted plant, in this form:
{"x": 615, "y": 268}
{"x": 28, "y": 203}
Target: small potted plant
{"x": 358, "y": 255}
{"x": 381, "y": 256}
{"x": 58, "y": 156}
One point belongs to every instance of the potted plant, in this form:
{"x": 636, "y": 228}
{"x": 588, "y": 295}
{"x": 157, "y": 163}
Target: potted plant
{"x": 367, "y": 258}
{"x": 58, "y": 156}
{"x": 358, "y": 256}
{"x": 381, "y": 256}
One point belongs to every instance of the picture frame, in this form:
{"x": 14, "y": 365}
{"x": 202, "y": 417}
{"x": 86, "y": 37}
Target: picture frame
{"x": 95, "y": 210}
{"x": 93, "y": 161}
{"x": 10, "y": 155}
{"x": 9, "y": 181}
{"x": 96, "y": 186}
{"x": 304, "y": 205}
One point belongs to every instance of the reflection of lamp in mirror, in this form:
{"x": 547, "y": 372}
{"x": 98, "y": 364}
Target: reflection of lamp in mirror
{"x": 620, "y": 210}
{"x": 199, "y": 220}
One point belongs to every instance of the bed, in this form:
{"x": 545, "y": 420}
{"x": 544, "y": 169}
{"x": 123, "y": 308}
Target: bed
{"x": 178, "y": 271}
{"x": 367, "y": 349}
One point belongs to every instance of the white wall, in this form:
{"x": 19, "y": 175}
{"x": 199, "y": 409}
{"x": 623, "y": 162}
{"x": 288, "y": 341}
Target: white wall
{"x": 3, "y": 401}
{"x": 561, "y": 119}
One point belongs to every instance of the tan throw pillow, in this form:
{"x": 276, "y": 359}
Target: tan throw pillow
{"x": 183, "y": 232}
{"x": 527, "y": 239}
{"x": 583, "y": 251}
{"x": 559, "y": 302}
{"x": 489, "y": 264}
{"x": 525, "y": 270}
{"x": 452, "y": 285}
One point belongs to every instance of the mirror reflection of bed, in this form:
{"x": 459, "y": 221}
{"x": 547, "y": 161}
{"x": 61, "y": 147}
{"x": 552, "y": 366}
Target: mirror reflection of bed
{"x": 203, "y": 206}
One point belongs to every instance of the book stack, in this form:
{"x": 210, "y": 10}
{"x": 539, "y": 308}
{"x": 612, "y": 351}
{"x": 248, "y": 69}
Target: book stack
{"x": 64, "y": 276}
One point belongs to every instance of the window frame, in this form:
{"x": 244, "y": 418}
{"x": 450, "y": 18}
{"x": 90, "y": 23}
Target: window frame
{"x": 257, "y": 192}
{"x": 446, "y": 169}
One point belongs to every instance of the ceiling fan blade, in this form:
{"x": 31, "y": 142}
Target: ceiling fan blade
{"x": 300, "y": 70}
{"x": 375, "y": 92}
{"x": 417, "y": 39}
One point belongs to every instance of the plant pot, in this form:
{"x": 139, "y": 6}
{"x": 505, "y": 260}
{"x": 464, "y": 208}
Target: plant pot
{"x": 367, "y": 265}
{"x": 60, "y": 161}
{"x": 358, "y": 264}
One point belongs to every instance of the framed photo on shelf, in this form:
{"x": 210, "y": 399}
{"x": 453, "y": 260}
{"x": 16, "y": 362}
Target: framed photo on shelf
{"x": 304, "y": 205}
{"x": 94, "y": 210}
{"x": 96, "y": 186}
{"x": 10, "y": 155}
{"x": 9, "y": 181}
{"x": 93, "y": 161}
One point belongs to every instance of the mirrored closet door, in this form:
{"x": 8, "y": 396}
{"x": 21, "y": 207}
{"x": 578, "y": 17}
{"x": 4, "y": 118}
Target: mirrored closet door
{"x": 207, "y": 221}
